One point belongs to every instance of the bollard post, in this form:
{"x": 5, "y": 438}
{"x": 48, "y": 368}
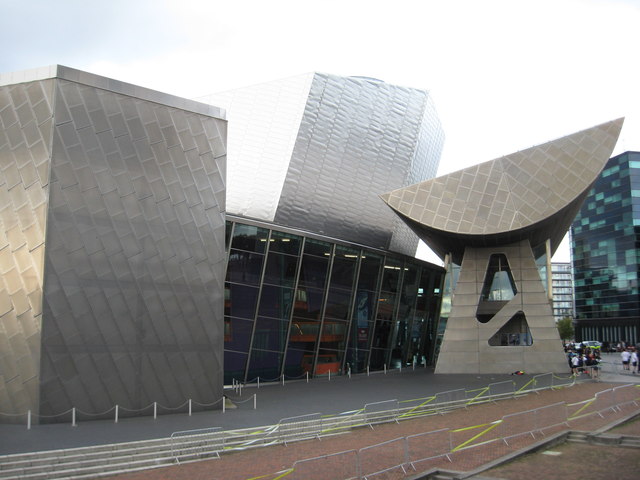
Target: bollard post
{"x": 349, "y": 371}
{"x": 189, "y": 407}
{"x": 29, "y": 420}
{"x": 367, "y": 370}
{"x": 283, "y": 379}
{"x": 258, "y": 382}
{"x": 224, "y": 404}
{"x": 385, "y": 368}
{"x": 307, "y": 373}
{"x": 329, "y": 375}
{"x": 116, "y": 421}
{"x": 255, "y": 399}
{"x": 239, "y": 389}
{"x": 73, "y": 417}
{"x": 400, "y": 368}
{"x": 155, "y": 410}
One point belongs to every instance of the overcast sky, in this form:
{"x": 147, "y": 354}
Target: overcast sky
{"x": 504, "y": 74}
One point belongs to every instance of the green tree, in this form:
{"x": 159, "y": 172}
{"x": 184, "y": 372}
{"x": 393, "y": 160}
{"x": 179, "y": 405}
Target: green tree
{"x": 565, "y": 328}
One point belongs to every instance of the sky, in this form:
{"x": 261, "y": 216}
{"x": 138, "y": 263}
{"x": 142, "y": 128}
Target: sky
{"x": 504, "y": 75}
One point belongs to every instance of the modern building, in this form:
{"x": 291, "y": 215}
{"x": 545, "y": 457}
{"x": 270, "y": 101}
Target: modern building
{"x": 605, "y": 251}
{"x": 133, "y": 255}
{"x": 500, "y": 222}
{"x": 321, "y": 276}
{"x": 112, "y": 232}
{"x": 562, "y": 290}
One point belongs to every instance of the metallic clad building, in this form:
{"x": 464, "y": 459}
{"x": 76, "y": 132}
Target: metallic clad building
{"x": 315, "y": 151}
{"x": 499, "y": 221}
{"x": 111, "y": 244}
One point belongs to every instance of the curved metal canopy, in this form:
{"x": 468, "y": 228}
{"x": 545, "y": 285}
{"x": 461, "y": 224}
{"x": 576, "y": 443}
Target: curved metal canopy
{"x": 534, "y": 193}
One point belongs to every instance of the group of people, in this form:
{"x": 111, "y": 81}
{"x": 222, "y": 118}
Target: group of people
{"x": 584, "y": 360}
{"x": 630, "y": 359}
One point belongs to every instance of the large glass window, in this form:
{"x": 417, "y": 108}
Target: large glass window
{"x": 250, "y": 238}
{"x": 276, "y": 302}
{"x": 244, "y": 267}
{"x": 281, "y": 269}
{"x": 240, "y": 301}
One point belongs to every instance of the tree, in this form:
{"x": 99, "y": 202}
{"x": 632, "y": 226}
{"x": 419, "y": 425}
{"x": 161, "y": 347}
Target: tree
{"x": 565, "y": 328}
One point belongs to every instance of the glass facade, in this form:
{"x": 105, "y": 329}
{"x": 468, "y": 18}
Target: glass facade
{"x": 605, "y": 249}
{"x": 297, "y": 304}
{"x": 562, "y": 290}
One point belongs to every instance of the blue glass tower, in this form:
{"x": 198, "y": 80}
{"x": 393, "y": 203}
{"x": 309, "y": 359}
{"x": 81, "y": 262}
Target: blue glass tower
{"x": 605, "y": 248}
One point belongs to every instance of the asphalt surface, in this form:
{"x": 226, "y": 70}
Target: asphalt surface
{"x": 273, "y": 403}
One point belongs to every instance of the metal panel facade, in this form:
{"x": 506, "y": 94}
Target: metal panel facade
{"x": 26, "y": 124}
{"x": 357, "y": 138}
{"x": 132, "y": 307}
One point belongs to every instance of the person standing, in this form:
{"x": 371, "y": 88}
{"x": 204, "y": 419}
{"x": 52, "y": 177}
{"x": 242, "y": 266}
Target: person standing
{"x": 634, "y": 361}
{"x": 625, "y": 356}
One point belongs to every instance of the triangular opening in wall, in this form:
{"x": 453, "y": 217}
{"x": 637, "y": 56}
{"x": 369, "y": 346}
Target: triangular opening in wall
{"x": 514, "y": 333}
{"x": 498, "y": 288}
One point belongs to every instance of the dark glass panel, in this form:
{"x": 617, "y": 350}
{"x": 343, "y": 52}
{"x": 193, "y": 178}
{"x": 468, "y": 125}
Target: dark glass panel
{"x": 369, "y": 271}
{"x": 338, "y": 304}
{"x": 240, "y": 301}
{"x": 285, "y": 243}
{"x": 317, "y": 247}
{"x": 357, "y": 360}
{"x": 308, "y": 304}
{"x": 281, "y": 269}
{"x": 499, "y": 284}
{"x": 377, "y": 359}
{"x": 234, "y": 365}
{"x": 247, "y": 237}
{"x": 313, "y": 271}
{"x": 227, "y": 235}
{"x": 303, "y": 335}
{"x": 298, "y": 363}
{"x": 264, "y": 364}
{"x": 391, "y": 275}
{"x": 237, "y": 334}
{"x": 333, "y": 335}
{"x": 344, "y": 268}
{"x": 276, "y": 302}
{"x": 270, "y": 334}
{"x": 244, "y": 267}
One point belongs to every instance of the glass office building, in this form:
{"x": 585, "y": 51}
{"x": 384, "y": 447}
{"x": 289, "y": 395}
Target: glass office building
{"x": 605, "y": 248}
{"x": 562, "y": 290}
{"x": 298, "y": 304}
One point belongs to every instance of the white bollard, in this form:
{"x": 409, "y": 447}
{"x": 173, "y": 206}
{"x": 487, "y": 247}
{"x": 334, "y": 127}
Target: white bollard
{"x": 189, "y": 407}
{"x": 329, "y": 375}
{"x": 224, "y": 404}
{"x": 29, "y": 420}
{"x": 73, "y": 417}
{"x": 385, "y": 368}
{"x": 349, "y": 371}
{"x": 307, "y": 377}
{"x": 258, "y": 382}
{"x": 255, "y": 399}
{"x": 116, "y": 421}
{"x": 155, "y": 410}
{"x": 400, "y": 368}
{"x": 283, "y": 379}
{"x": 367, "y": 370}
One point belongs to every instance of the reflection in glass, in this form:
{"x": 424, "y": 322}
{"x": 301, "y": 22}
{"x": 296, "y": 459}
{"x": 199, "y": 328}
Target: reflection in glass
{"x": 237, "y": 334}
{"x": 313, "y": 271}
{"x": 281, "y": 269}
{"x": 276, "y": 302}
{"x": 244, "y": 267}
{"x": 264, "y": 364}
{"x": 285, "y": 243}
{"x": 499, "y": 284}
{"x": 270, "y": 334}
{"x": 240, "y": 301}
{"x": 247, "y": 237}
